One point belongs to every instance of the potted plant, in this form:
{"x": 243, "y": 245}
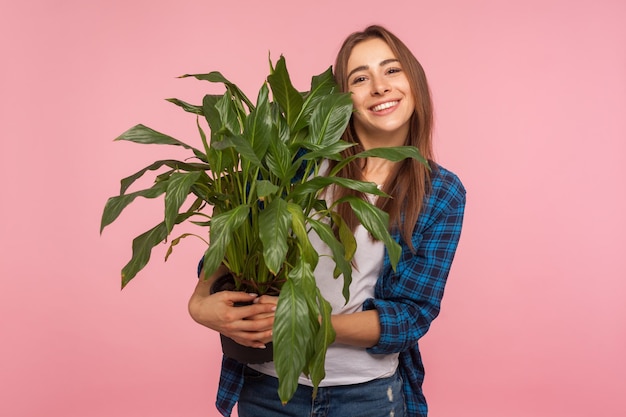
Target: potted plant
{"x": 257, "y": 182}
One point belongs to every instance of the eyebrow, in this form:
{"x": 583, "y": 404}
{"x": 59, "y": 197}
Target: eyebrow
{"x": 366, "y": 67}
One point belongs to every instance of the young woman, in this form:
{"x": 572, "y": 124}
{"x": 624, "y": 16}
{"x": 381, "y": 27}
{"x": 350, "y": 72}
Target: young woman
{"x": 374, "y": 368}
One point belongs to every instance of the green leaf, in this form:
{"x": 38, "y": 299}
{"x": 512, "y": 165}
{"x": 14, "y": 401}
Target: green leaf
{"x": 392, "y": 153}
{"x": 178, "y": 188}
{"x": 293, "y": 333}
{"x": 205, "y": 143}
{"x": 299, "y": 229}
{"x": 228, "y": 115}
{"x": 142, "y": 248}
{"x": 274, "y": 223}
{"x": 146, "y": 135}
{"x": 115, "y": 205}
{"x": 210, "y": 112}
{"x": 331, "y": 151}
{"x": 258, "y": 125}
{"x": 265, "y": 188}
{"x": 191, "y": 108}
{"x": 285, "y": 94}
{"x": 217, "y": 77}
{"x": 172, "y": 163}
{"x": 376, "y": 221}
{"x": 278, "y": 159}
{"x": 323, "y": 339}
{"x": 223, "y": 227}
{"x": 339, "y": 255}
{"x": 242, "y": 147}
{"x": 346, "y": 237}
{"x": 316, "y": 184}
{"x": 280, "y": 127}
{"x": 348, "y": 241}
{"x": 321, "y": 85}
{"x": 330, "y": 119}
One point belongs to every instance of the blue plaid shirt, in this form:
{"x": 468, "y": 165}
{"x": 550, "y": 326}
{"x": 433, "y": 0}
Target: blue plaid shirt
{"x": 407, "y": 300}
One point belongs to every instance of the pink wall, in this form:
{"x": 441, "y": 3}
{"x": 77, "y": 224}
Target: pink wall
{"x": 531, "y": 104}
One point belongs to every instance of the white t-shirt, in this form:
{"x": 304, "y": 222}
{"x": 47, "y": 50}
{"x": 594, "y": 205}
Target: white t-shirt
{"x": 348, "y": 364}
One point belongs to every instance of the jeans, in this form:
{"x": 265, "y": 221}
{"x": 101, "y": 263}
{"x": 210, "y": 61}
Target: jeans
{"x": 378, "y": 398}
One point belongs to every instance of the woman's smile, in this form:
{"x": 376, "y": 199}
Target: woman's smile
{"x": 384, "y": 106}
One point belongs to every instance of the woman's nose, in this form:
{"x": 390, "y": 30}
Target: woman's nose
{"x": 380, "y": 86}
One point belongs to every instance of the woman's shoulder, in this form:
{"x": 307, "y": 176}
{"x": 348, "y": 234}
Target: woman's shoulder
{"x": 445, "y": 197}
{"x": 445, "y": 184}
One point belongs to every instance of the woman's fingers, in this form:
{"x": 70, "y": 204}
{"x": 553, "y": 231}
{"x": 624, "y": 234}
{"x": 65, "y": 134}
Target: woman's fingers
{"x": 253, "y": 339}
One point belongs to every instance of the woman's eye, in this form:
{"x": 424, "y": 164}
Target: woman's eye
{"x": 393, "y": 70}
{"x": 357, "y": 80}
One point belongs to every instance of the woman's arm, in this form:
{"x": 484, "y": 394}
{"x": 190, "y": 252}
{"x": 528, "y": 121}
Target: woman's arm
{"x": 357, "y": 329}
{"x": 407, "y": 301}
{"x": 218, "y": 312}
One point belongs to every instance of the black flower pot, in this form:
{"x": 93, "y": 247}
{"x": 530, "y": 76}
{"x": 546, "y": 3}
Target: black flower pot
{"x": 232, "y": 349}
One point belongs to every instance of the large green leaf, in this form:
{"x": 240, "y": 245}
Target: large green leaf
{"x": 228, "y": 115}
{"x": 280, "y": 127}
{"x": 376, "y": 221}
{"x": 142, "y": 248}
{"x": 392, "y": 153}
{"x": 323, "y": 339}
{"x": 293, "y": 333}
{"x": 223, "y": 227}
{"x": 172, "y": 163}
{"x": 115, "y": 205}
{"x": 274, "y": 222}
{"x": 299, "y": 229}
{"x": 210, "y": 112}
{"x": 178, "y": 188}
{"x": 258, "y": 125}
{"x": 284, "y": 93}
{"x": 318, "y": 183}
{"x": 329, "y": 119}
{"x": 146, "y": 135}
{"x": 331, "y": 151}
{"x": 278, "y": 159}
{"x": 321, "y": 85}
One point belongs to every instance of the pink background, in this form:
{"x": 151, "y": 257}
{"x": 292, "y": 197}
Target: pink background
{"x": 531, "y": 113}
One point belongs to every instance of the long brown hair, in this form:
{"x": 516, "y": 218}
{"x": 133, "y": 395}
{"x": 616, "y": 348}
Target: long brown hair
{"x": 409, "y": 181}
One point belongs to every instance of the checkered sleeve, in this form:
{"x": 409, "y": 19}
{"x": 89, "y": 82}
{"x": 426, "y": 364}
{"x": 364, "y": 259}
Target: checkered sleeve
{"x": 408, "y": 300}
{"x": 231, "y": 381}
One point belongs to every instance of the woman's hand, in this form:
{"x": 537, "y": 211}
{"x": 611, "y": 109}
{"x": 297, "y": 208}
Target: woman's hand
{"x": 249, "y": 325}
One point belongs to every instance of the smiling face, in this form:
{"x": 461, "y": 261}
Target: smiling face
{"x": 381, "y": 94}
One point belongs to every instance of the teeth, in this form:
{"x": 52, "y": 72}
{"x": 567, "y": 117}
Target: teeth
{"x": 384, "y": 106}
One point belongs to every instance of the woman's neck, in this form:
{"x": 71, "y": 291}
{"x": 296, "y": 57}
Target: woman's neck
{"x": 377, "y": 170}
